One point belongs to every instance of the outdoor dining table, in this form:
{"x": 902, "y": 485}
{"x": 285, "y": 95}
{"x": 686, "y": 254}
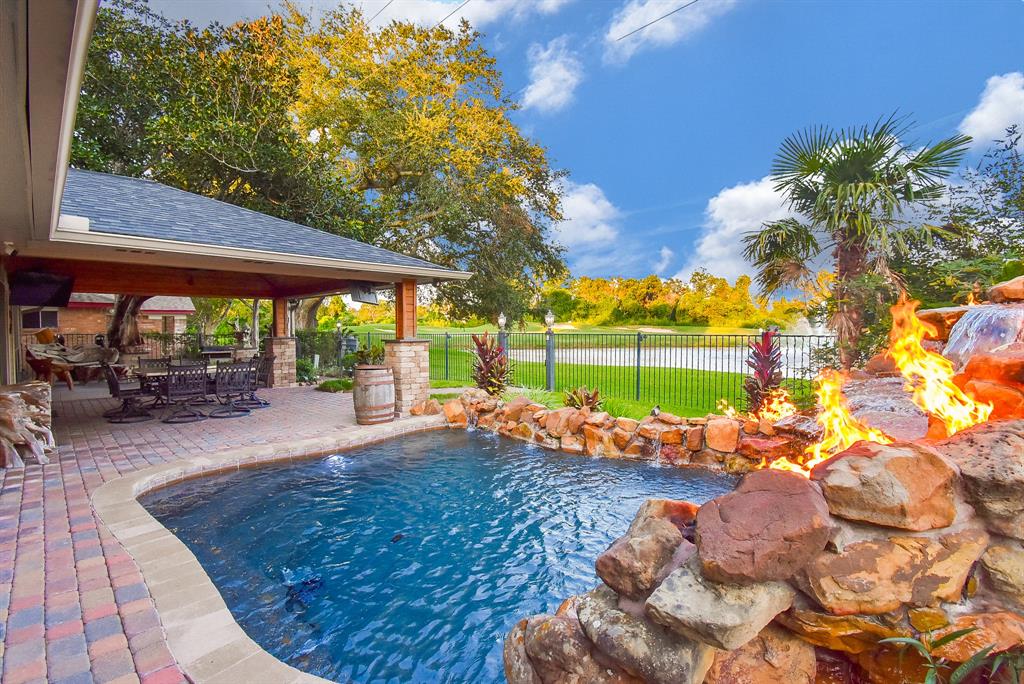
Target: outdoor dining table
{"x": 211, "y": 369}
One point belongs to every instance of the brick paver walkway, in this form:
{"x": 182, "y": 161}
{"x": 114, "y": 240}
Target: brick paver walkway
{"x": 73, "y": 605}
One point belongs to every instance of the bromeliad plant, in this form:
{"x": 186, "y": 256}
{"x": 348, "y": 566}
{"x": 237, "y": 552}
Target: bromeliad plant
{"x": 765, "y": 362}
{"x": 492, "y": 370}
{"x": 583, "y": 397}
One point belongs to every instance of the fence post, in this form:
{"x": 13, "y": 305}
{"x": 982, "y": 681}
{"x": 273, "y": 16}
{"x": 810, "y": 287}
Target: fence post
{"x": 549, "y": 360}
{"x": 639, "y": 342}
{"x": 447, "y": 344}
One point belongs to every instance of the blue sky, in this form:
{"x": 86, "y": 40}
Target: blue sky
{"x": 668, "y": 134}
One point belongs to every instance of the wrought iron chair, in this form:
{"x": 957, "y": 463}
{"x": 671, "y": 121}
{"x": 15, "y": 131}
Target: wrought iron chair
{"x": 231, "y": 383}
{"x": 131, "y": 409}
{"x": 151, "y": 385}
{"x": 184, "y": 385}
{"x": 258, "y": 377}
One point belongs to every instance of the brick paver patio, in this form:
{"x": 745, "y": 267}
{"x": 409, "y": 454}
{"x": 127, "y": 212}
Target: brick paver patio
{"x": 73, "y": 604}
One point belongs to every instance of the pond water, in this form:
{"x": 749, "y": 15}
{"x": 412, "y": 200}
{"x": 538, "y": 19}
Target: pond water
{"x": 408, "y": 561}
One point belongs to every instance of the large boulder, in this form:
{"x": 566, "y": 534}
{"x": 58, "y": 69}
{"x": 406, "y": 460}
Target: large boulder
{"x": 558, "y": 422}
{"x": 518, "y": 668}
{"x": 722, "y": 434}
{"x": 881, "y": 575}
{"x": 720, "y": 615}
{"x": 455, "y": 413}
{"x": 991, "y": 461}
{"x": 561, "y": 653}
{"x": 903, "y": 485}
{"x": 774, "y": 523}
{"x": 632, "y": 565}
{"x": 775, "y": 656}
{"x": 1004, "y": 568}
{"x": 642, "y": 648}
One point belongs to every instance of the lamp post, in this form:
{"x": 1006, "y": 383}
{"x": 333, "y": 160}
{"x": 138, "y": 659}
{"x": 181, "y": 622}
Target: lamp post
{"x": 549, "y": 356}
{"x": 502, "y": 333}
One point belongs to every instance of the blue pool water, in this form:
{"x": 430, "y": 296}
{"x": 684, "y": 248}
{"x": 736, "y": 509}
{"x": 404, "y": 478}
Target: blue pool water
{"x": 408, "y": 561}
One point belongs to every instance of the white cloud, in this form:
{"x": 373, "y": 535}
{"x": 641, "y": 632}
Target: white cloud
{"x": 666, "y": 31}
{"x": 478, "y": 12}
{"x": 589, "y": 217}
{"x": 1001, "y": 105}
{"x": 555, "y": 71}
{"x": 729, "y": 214}
{"x": 664, "y": 259}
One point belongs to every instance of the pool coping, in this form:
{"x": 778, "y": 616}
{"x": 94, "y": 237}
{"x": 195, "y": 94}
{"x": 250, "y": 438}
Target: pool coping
{"x": 202, "y": 635}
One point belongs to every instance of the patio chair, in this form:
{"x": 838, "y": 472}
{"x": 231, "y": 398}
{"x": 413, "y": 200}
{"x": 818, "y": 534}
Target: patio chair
{"x": 184, "y": 385}
{"x": 130, "y": 410}
{"x": 151, "y": 385}
{"x": 231, "y": 383}
{"x": 259, "y": 376}
{"x": 48, "y": 369}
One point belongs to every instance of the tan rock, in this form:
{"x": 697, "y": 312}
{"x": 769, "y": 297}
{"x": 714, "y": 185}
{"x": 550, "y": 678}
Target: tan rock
{"x": 775, "y": 656}
{"x": 991, "y": 461}
{"x": 572, "y": 444}
{"x": 455, "y": 413}
{"x": 648, "y": 431}
{"x": 927, "y": 619}
{"x": 621, "y": 437}
{"x": 1007, "y": 291}
{"x": 750, "y": 426}
{"x": 514, "y": 409}
{"x": 632, "y": 565}
{"x": 904, "y": 485}
{"x": 523, "y": 431}
{"x": 599, "y": 442}
{"x": 577, "y": 420}
{"x": 1006, "y": 401}
{"x": 1004, "y": 567}
{"x": 598, "y": 418}
{"x": 722, "y": 434}
{"x": 847, "y": 633}
{"x": 880, "y": 575}
{"x": 558, "y": 422}
{"x": 627, "y": 424}
{"x": 674, "y": 435}
{"x": 679, "y": 513}
{"x": 518, "y": 668}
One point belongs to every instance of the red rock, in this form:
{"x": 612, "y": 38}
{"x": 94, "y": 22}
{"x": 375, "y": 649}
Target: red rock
{"x": 669, "y": 418}
{"x": 679, "y": 513}
{"x": 557, "y": 422}
{"x": 1006, "y": 401}
{"x": 518, "y": 668}
{"x": 523, "y": 431}
{"x": 722, "y": 434}
{"x": 695, "y": 438}
{"x": 765, "y": 447}
{"x": 942, "y": 319}
{"x": 514, "y": 409}
{"x": 775, "y": 656}
{"x": 673, "y": 435}
{"x": 577, "y": 420}
{"x": 890, "y": 664}
{"x": 621, "y": 437}
{"x": 772, "y": 525}
{"x": 572, "y": 444}
{"x": 904, "y": 485}
{"x": 846, "y": 633}
{"x": 1007, "y": 291}
{"x": 799, "y": 425}
{"x": 632, "y": 565}
{"x": 881, "y": 364}
{"x": 627, "y": 424}
{"x": 648, "y": 431}
{"x": 1005, "y": 367}
{"x": 598, "y": 442}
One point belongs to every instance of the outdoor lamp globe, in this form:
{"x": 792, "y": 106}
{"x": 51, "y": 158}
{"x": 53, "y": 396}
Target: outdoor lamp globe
{"x": 549, "y": 318}
{"x": 502, "y": 320}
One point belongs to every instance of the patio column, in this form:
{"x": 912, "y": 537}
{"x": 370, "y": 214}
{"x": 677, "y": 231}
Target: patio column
{"x": 407, "y": 357}
{"x": 282, "y": 373}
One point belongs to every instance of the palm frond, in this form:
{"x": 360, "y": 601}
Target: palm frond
{"x": 781, "y": 251}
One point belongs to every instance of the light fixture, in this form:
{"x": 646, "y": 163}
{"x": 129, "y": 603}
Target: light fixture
{"x": 502, "y": 321}
{"x": 337, "y": 326}
{"x": 549, "y": 318}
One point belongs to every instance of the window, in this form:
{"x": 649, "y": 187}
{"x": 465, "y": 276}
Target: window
{"x": 40, "y": 318}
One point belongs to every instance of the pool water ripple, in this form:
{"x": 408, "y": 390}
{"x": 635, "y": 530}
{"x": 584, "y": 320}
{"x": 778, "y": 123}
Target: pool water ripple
{"x": 408, "y": 561}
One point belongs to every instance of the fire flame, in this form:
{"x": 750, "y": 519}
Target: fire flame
{"x": 972, "y": 300}
{"x": 840, "y": 430}
{"x": 777, "y": 405}
{"x": 929, "y": 375}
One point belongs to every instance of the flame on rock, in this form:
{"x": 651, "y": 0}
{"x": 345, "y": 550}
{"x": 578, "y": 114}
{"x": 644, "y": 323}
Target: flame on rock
{"x": 840, "y": 430}
{"x": 777, "y": 406}
{"x": 929, "y": 375}
{"x": 972, "y": 300}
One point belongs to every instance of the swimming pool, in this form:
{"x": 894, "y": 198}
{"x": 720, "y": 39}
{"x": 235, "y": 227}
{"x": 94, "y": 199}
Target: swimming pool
{"x": 409, "y": 560}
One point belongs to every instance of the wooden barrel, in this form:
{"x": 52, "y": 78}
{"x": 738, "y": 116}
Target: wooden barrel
{"x": 373, "y": 393}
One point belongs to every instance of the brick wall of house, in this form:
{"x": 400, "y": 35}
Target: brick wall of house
{"x": 95, "y": 320}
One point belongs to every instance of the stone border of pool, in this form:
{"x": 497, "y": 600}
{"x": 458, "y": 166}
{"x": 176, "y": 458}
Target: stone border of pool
{"x": 200, "y": 631}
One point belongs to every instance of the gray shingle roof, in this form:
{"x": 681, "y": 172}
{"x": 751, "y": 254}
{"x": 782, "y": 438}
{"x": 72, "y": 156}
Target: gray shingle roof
{"x": 152, "y": 305}
{"x": 147, "y": 209}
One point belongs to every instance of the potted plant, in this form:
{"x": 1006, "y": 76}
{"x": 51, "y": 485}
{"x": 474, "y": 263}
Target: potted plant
{"x": 373, "y": 390}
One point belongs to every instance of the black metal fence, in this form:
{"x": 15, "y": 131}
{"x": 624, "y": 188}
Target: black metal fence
{"x": 684, "y": 371}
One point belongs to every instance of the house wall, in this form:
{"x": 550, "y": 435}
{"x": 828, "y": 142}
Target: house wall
{"x": 81, "y": 320}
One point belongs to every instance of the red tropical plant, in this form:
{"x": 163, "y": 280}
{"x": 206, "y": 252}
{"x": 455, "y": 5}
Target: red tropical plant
{"x": 764, "y": 359}
{"x": 492, "y": 370}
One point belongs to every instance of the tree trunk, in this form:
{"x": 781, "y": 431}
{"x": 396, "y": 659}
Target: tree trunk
{"x": 123, "y": 331}
{"x": 305, "y": 314}
{"x": 848, "y": 320}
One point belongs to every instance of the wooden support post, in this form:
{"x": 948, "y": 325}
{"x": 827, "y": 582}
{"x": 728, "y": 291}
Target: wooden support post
{"x": 405, "y": 310}
{"x": 279, "y": 322}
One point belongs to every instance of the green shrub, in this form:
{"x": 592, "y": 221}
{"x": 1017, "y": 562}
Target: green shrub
{"x": 335, "y": 385}
{"x": 305, "y": 372}
{"x": 370, "y": 356}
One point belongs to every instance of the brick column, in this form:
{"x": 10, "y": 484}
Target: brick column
{"x": 282, "y": 374}
{"x": 409, "y": 361}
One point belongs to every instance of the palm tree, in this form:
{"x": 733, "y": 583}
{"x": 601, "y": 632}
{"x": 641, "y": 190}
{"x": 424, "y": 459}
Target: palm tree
{"x": 852, "y": 193}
